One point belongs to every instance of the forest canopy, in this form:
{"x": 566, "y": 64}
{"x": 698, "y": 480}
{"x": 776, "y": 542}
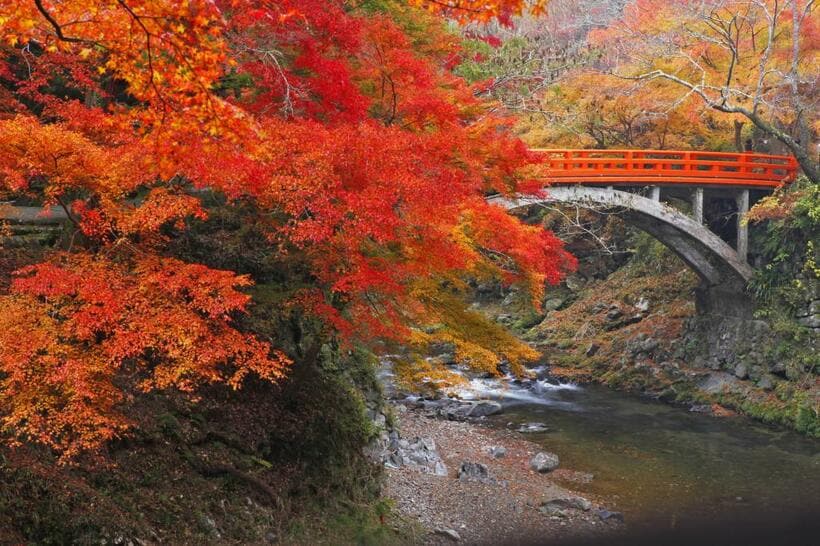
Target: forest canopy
{"x": 334, "y": 132}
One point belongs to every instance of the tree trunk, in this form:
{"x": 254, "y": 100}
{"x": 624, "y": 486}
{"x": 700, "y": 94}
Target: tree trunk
{"x": 801, "y": 154}
{"x": 739, "y": 136}
{"x": 808, "y": 165}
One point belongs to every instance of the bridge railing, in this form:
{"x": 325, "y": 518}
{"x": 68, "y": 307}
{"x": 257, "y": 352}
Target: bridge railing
{"x": 667, "y": 166}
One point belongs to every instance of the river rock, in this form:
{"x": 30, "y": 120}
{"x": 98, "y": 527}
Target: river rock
{"x": 598, "y": 307}
{"x": 642, "y": 305}
{"x": 455, "y": 411}
{"x": 209, "y": 524}
{"x": 483, "y": 408}
{"x": 533, "y": 427}
{"x": 419, "y": 453}
{"x": 607, "y": 515}
{"x": 614, "y": 313}
{"x": 778, "y": 368}
{"x": 544, "y": 462}
{"x": 718, "y": 382}
{"x": 448, "y": 533}
{"x": 756, "y": 372}
{"x": 575, "y": 282}
{"x": 444, "y": 359}
{"x": 765, "y": 382}
{"x": 741, "y": 371}
{"x": 430, "y": 405}
{"x": 562, "y": 503}
{"x": 552, "y": 510}
{"x": 552, "y": 304}
{"x": 634, "y": 319}
{"x": 509, "y": 299}
{"x": 469, "y": 471}
{"x": 649, "y": 344}
{"x": 498, "y": 452}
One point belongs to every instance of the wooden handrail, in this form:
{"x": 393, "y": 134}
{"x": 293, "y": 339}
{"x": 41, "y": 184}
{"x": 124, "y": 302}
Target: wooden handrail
{"x": 667, "y": 167}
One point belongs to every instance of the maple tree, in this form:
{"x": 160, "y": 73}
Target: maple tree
{"x": 754, "y": 59}
{"x": 516, "y": 62}
{"x": 593, "y": 110}
{"x": 709, "y": 75}
{"x": 337, "y": 130}
{"x": 482, "y": 10}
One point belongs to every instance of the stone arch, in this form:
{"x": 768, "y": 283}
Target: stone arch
{"x": 717, "y": 264}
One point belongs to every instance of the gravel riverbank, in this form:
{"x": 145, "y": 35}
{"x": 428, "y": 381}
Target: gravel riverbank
{"x": 496, "y": 500}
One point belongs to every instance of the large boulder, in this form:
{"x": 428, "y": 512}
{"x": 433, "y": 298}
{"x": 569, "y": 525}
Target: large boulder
{"x": 544, "y": 462}
{"x": 418, "y": 453}
{"x": 455, "y": 411}
{"x": 483, "y": 408}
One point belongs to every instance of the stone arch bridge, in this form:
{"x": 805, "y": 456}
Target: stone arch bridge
{"x": 639, "y": 183}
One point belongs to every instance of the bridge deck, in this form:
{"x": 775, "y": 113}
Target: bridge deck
{"x": 667, "y": 167}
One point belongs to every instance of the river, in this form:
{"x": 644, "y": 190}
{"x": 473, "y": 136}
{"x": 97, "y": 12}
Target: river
{"x": 658, "y": 464}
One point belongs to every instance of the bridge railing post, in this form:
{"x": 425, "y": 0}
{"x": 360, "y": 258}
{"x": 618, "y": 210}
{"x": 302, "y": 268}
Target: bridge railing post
{"x": 743, "y": 160}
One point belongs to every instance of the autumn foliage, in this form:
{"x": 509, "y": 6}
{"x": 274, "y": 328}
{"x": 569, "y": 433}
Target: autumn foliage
{"x": 335, "y": 129}
{"x": 753, "y": 60}
{"x": 482, "y": 10}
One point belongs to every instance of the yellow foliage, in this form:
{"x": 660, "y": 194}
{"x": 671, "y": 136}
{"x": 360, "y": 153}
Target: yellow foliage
{"x": 588, "y": 109}
{"x": 417, "y": 373}
{"x": 479, "y": 343}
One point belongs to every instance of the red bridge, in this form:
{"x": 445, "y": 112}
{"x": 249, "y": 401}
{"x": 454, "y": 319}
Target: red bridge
{"x": 676, "y": 196}
{"x": 666, "y": 167}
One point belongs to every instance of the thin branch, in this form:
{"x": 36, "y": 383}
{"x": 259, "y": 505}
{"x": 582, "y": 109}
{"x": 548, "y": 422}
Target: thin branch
{"x": 58, "y": 30}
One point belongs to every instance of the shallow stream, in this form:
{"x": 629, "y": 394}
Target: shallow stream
{"x": 662, "y": 465}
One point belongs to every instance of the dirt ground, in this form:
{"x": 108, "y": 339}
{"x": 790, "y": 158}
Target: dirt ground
{"x": 504, "y": 510}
